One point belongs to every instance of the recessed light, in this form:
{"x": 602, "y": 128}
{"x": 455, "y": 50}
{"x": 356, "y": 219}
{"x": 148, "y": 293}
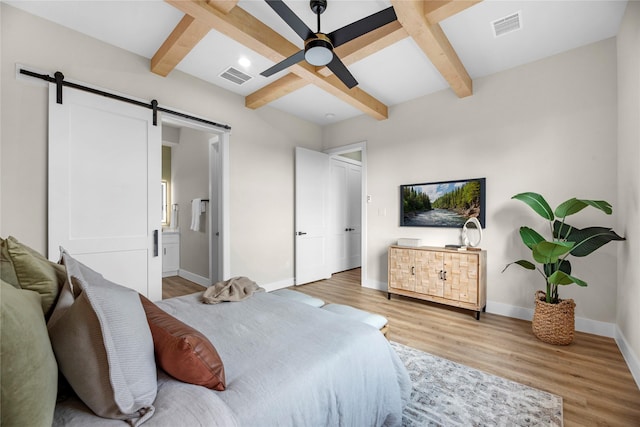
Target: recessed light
{"x": 329, "y": 116}
{"x": 244, "y": 61}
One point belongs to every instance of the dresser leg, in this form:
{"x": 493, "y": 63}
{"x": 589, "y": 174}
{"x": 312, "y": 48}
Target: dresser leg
{"x": 388, "y": 295}
{"x": 477, "y": 315}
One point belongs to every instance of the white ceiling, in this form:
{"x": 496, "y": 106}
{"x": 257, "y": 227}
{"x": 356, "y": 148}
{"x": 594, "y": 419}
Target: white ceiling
{"x": 393, "y": 75}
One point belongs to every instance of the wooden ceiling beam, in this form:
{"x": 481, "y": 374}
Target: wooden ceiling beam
{"x": 223, "y": 6}
{"x": 439, "y": 10}
{"x": 434, "y": 43}
{"x": 252, "y": 33}
{"x": 184, "y": 37}
{"x": 274, "y": 90}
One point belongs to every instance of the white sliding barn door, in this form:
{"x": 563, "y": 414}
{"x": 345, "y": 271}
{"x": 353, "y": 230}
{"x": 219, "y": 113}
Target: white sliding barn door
{"x": 104, "y": 188}
{"x": 312, "y": 216}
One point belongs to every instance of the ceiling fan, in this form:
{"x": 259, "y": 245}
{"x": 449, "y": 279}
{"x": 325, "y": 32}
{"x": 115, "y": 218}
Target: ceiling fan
{"x": 318, "y": 46}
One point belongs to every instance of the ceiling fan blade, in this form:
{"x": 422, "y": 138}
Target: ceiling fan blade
{"x": 290, "y": 18}
{"x": 340, "y": 70}
{"x": 363, "y": 26}
{"x": 285, "y": 63}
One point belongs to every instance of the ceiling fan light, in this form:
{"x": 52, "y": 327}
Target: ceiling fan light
{"x": 318, "y": 52}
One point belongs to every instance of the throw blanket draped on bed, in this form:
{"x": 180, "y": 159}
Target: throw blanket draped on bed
{"x": 234, "y": 289}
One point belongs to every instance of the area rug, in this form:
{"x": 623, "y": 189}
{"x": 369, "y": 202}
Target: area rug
{"x": 446, "y": 393}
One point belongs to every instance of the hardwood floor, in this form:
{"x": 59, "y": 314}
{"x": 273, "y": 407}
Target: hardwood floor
{"x": 175, "y": 286}
{"x": 590, "y": 374}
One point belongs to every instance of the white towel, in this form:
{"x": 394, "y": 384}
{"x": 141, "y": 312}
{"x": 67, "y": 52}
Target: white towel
{"x": 195, "y": 214}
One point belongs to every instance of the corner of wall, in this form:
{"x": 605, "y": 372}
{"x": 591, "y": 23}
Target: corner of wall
{"x": 629, "y": 356}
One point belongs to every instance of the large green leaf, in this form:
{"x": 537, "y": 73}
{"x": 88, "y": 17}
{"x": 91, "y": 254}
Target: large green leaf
{"x": 530, "y": 237}
{"x": 562, "y": 278}
{"x": 522, "y": 263}
{"x": 586, "y": 240}
{"x": 600, "y": 204}
{"x": 574, "y": 205}
{"x": 564, "y": 266}
{"x": 561, "y": 230}
{"x": 570, "y": 207}
{"x": 549, "y": 252}
{"x": 537, "y": 203}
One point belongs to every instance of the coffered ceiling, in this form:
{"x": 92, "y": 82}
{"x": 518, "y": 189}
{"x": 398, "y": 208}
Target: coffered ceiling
{"x": 434, "y": 45}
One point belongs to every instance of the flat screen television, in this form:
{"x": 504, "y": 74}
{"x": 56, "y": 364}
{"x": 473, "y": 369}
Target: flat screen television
{"x": 442, "y": 204}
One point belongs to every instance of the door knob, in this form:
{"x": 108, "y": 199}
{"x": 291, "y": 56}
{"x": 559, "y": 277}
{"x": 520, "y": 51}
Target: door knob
{"x": 301, "y": 233}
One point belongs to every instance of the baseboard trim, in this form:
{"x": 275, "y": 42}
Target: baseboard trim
{"x": 589, "y": 326}
{"x": 202, "y": 281}
{"x": 169, "y": 273}
{"x": 632, "y": 360}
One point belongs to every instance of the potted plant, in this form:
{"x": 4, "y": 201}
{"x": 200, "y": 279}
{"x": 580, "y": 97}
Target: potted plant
{"x": 553, "y": 319}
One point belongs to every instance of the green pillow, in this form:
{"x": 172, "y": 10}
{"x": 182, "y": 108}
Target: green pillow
{"x": 37, "y": 273}
{"x": 7, "y": 272}
{"x": 29, "y": 371}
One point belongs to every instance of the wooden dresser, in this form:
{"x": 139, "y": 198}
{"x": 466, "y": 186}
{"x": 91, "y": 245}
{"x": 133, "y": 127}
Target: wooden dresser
{"x": 445, "y": 276}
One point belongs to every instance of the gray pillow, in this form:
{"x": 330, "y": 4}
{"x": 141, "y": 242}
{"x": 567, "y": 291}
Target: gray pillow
{"x": 101, "y": 339}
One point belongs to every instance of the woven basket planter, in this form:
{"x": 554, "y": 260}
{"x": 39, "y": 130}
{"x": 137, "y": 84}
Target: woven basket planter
{"x": 554, "y": 323}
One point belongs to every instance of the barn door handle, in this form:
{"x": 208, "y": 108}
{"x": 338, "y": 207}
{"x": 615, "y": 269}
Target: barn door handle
{"x": 155, "y": 243}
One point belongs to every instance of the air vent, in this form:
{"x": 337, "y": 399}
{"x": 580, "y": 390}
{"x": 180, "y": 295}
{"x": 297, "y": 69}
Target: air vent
{"x": 235, "y": 76}
{"x": 507, "y": 24}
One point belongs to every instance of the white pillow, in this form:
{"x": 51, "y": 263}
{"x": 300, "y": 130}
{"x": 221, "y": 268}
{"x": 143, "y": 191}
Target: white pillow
{"x": 101, "y": 339}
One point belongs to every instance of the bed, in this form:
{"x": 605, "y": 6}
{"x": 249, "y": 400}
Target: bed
{"x": 286, "y": 364}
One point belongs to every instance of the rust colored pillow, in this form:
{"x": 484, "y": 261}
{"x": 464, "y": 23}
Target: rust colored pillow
{"x": 182, "y": 351}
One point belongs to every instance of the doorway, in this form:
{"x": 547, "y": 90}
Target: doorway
{"x": 317, "y": 235}
{"x": 198, "y": 212}
{"x": 350, "y": 163}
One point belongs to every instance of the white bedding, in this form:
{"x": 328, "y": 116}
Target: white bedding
{"x": 286, "y": 364}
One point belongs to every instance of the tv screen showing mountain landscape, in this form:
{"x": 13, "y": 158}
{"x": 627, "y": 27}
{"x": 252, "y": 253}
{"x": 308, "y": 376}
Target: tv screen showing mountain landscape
{"x": 442, "y": 204}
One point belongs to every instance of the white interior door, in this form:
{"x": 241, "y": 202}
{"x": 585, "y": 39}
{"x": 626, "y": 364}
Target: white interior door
{"x": 311, "y": 216}
{"x": 345, "y": 231}
{"x": 338, "y": 216}
{"x": 353, "y": 203}
{"x": 104, "y": 188}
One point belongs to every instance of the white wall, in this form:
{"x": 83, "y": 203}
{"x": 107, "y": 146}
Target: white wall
{"x": 190, "y": 180}
{"x": 261, "y": 143}
{"x": 628, "y": 319}
{"x": 549, "y": 127}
